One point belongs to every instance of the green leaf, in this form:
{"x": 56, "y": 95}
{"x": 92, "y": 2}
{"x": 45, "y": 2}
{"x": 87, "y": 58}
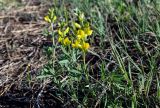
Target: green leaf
{"x": 51, "y": 70}
{"x": 64, "y": 62}
{"x": 43, "y": 76}
{"x": 73, "y": 71}
{"x": 45, "y": 70}
{"x": 64, "y": 51}
{"x": 74, "y": 57}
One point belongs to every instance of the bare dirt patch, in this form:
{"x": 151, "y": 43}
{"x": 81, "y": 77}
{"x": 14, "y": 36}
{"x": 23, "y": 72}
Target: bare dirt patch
{"x": 21, "y": 47}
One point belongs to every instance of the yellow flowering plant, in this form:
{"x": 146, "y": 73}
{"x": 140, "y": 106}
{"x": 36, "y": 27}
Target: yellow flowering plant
{"x": 78, "y": 38}
{"x": 51, "y": 19}
{"x": 72, "y": 35}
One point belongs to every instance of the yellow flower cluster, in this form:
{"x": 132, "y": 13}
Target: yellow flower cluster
{"x": 79, "y": 41}
{"x": 62, "y": 37}
{"x": 78, "y": 32}
{"x": 51, "y": 17}
{"x": 81, "y": 36}
{"x": 47, "y": 19}
{"x": 84, "y": 46}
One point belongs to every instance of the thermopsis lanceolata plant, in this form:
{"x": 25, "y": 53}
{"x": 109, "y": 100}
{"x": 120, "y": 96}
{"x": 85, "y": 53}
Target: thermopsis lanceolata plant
{"x": 70, "y": 43}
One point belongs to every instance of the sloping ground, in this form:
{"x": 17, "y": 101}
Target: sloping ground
{"x": 21, "y": 46}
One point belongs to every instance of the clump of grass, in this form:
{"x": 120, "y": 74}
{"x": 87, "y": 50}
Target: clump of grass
{"x": 120, "y": 67}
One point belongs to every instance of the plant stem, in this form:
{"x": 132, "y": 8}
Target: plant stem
{"x": 84, "y": 65}
{"x": 84, "y": 60}
{"x": 53, "y": 41}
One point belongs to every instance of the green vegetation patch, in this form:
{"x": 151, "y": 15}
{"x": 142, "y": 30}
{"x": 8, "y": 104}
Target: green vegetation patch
{"x": 104, "y": 53}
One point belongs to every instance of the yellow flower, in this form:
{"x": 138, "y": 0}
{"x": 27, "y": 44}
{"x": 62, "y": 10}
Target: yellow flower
{"x": 60, "y": 39}
{"x": 85, "y": 46}
{"x": 62, "y": 34}
{"x": 77, "y": 25}
{"x": 47, "y": 19}
{"x": 66, "y": 41}
{"x": 66, "y": 31}
{"x": 81, "y": 34}
{"x": 76, "y": 44}
{"x": 54, "y": 18}
{"x": 88, "y": 31}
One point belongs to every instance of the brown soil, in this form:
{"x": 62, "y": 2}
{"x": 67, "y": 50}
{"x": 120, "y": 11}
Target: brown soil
{"x": 21, "y": 50}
